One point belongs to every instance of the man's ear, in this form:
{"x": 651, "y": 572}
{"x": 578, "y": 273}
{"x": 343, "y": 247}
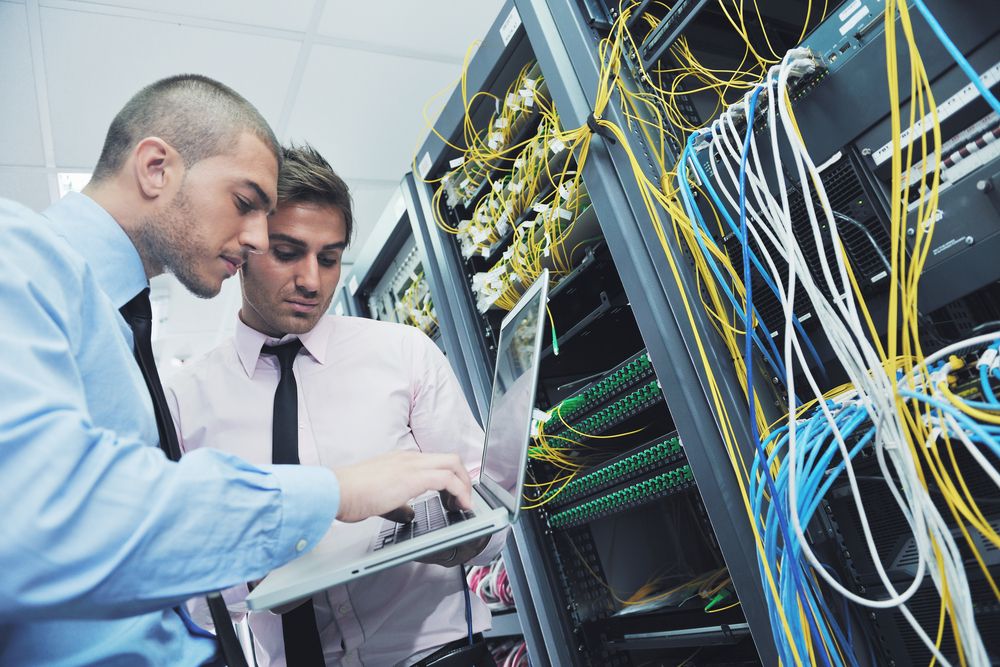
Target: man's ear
{"x": 157, "y": 165}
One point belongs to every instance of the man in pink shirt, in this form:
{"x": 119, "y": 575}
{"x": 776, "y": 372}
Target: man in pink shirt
{"x": 363, "y": 388}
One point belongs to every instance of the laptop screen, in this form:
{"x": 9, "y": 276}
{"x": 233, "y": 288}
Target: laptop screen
{"x": 513, "y": 398}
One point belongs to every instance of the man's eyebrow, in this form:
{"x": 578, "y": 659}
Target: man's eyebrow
{"x": 287, "y": 239}
{"x": 265, "y": 201}
{"x": 340, "y": 245}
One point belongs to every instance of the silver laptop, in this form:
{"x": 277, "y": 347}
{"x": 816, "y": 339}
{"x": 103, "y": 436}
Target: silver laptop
{"x": 351, "y": 551}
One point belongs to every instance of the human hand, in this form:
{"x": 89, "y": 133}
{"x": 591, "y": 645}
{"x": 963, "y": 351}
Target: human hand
{"x": 384, "y": 484}
{"x": 457, "y": 555}
{"x": 402, "y": 514}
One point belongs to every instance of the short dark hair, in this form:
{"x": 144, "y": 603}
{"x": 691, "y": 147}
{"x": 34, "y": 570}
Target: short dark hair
{"x": 307, "y": 178}
{"x": 198, "y": 116}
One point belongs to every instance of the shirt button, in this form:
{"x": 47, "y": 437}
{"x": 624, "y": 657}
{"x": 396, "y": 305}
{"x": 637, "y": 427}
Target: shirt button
{"x": 343, "y": 609}
{"x": 300, "y": 545}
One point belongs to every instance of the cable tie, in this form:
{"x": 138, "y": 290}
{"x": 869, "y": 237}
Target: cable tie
{"x": 600, "y": 130}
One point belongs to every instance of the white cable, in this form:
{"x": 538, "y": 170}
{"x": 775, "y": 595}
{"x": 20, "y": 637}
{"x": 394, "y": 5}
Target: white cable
{"x": 925, "y": 510}
{"x": 873, "y": 389}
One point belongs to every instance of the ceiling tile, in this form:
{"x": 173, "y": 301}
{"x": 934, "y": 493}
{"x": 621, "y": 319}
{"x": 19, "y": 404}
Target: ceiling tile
{"x": 20, "y": 131}
{"x": 445, "y": 27}
{"x": 285, "y": 15}
{"x": 95, "y": 63}
{"x": 363, "y": 110}
{"x": 30, "y": 188}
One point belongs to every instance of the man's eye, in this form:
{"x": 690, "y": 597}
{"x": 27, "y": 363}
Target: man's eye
{"x": 284, "y": 256}
{"x": 243, "y": 206}
{"x": 327, "y": 262}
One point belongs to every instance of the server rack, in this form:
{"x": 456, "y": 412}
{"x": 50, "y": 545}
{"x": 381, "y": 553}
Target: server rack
{"x": 560, "y": 640}
{"x": 401, "y": 233}
{"x": 563, "y": 36}
{"x": 342, "y": 304}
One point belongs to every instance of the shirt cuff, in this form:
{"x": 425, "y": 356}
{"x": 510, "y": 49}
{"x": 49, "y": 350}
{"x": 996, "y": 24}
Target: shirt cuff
{"x": 310, "y": 497}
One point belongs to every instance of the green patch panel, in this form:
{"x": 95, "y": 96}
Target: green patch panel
{"x": 628, "y": 406}
{"x": 660, "y": 454}
{"x": 618, "y": 381}
{"x": 640, "y": 493}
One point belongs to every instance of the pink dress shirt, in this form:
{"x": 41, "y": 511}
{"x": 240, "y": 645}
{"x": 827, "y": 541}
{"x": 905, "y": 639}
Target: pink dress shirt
{"x": 365, "y": 387}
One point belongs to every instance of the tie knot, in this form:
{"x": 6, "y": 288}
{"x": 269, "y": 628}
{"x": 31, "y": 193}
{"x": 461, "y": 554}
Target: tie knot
{"x": 138, "y": 307}
{"x": 286, "y": 352}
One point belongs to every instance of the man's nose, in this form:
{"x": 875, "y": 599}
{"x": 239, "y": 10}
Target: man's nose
{"x": 253, "y": 236}
{"x": 308, "y": 278}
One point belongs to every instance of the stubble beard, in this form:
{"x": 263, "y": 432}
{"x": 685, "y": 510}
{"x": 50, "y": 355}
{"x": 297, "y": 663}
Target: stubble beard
{"x": 169, "y": 242}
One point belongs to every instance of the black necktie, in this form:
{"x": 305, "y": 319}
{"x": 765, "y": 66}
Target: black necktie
{"x": 139, "y": 314}
{"x": 298, "y": 627}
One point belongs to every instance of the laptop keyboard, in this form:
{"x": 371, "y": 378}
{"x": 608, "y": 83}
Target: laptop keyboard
{"x": 429, "y": 515}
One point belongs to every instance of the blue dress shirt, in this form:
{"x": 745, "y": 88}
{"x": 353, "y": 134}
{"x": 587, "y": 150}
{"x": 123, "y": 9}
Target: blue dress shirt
{"x": 101, "y": 535}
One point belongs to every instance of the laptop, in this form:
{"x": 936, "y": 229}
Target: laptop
{"x": 353, "y": 550}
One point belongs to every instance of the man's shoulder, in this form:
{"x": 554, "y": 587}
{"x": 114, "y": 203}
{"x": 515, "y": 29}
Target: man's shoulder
{"x": 29, "y": 240}
{"x": 39, "y": 265}
{"x": 345, "y": 326}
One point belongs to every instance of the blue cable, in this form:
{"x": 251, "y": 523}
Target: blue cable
{"x": 979, "y": 405}
{"x": 723, "y": 209}
{"x": 468, "y": 602}
{"x": 848, "y": 420}
{"x": 957, "y": 55}
{"x": 814, "y": 433}
{"x": 747, "y": 315}
{"x": 960, "y": 417}
{"x": 797, "y": 576}
{"x": 687, "y": 197}
{"x": 988, "y": 394}
{"x": 700, "y": 220}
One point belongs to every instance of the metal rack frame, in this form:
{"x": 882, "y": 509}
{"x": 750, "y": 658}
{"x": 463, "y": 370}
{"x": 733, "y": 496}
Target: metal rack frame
{"x": 566, "y": 49}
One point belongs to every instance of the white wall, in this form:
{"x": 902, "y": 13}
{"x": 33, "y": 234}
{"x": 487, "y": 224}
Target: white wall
{"x": 351, "y": 78}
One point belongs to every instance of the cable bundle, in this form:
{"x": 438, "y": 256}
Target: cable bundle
{"x": 510, "y": 654}
{"x": 489, "y": 148}
{"x": 886, "y": 403}
{"x": 491, "y": 584}
{"x": 898, "y": 404}
{"x": 525, "y": 195}
{"x": 416, "y": 308}
{"x": 886, "y": 398}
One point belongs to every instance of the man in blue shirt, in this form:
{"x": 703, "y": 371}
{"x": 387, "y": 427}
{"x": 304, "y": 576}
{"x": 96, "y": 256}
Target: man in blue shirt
{"x": 102, "y": 536}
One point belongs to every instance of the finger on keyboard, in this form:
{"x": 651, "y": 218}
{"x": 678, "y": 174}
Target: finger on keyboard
{"x": 402, "y": 514}
{"x": 450, "y": 502}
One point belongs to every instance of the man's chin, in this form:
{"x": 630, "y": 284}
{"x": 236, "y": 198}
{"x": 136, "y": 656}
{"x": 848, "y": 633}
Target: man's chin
{"x": 299, "y": 323}
{"x": 203, "y": 289}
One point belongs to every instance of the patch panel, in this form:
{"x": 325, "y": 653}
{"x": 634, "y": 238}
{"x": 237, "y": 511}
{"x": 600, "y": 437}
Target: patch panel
{"x": 642, "y": 461}
{"x": 624, "y": 408}
{"x": 630, "y": 373}
{"x": 511, "y": 126}
{"x": 661, "y": 485}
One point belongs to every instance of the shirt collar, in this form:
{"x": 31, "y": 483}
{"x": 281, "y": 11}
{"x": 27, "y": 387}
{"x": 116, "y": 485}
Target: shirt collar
{"x": 249, "y": 342}
{"x": 100, "y": 240}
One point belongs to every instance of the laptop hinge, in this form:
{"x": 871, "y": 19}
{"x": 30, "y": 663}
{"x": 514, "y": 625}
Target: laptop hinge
{"x": 488, "y": 496}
